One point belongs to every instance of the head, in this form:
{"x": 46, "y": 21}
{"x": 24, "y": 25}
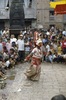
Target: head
{"x": 59, "y": 97}
{"x": 12, "y": 36}
{"x": 5, "y": 49}
{"x": 21, "y": 36}
{"x": 12, "y": 50}
{"x": 39, "y": 43}
{"x": 6, "y": 28}
{"x": 8, "y": 39}
{"x": 13, "y": 44}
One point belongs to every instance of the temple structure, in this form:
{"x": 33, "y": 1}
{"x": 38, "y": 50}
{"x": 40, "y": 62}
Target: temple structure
{"x": 17, "y": 22}
{"x": 17, "y": 14}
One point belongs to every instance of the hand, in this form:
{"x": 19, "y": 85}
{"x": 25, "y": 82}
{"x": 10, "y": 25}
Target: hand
{"x": 25, "y": 60}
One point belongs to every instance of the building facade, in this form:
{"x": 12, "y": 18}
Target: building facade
{"x": 46, "y": 16}
{"x": 37, "y": 12}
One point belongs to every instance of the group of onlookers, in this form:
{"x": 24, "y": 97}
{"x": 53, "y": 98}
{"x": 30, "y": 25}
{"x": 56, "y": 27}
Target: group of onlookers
{"x": 54, "y": 44}
{"x": 14, "y": 50}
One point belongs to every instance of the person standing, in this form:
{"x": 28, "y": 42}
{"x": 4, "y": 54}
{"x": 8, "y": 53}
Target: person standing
{"x": 21, "y": 49}
{"x": 8, "y": 45}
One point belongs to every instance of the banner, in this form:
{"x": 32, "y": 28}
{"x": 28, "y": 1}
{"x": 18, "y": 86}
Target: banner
{"x": 53, "y": 4}
{"x": 60, "y": 9}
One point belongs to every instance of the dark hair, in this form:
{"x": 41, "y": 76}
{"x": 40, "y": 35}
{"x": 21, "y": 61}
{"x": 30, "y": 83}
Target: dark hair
{"x": 59, "y": 97}
{"x": 13, "y": 44}
{"x": 50, "y": 53}
{"x": 12, "y": 49}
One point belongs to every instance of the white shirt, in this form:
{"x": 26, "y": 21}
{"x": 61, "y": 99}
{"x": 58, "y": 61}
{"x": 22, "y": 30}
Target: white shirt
{"x": 8, "y": 46}
{"x": 13, "y": 40}
{"x": 48, "y": 33}
{"x": 64, "y": 33}
{"x": 48, "y": 48}
{"x": 20, "y": 44}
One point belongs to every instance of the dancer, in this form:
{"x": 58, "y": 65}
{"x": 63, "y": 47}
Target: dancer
{"x": 36, "y": 55}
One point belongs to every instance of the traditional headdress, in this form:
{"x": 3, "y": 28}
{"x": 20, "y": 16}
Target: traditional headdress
{"x": 38, "y": 41}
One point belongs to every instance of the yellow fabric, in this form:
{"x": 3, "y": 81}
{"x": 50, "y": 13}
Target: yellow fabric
{"x": 62, "y": 0}
{"x": 53, "y": 4}
{"x": 59, "y": 50}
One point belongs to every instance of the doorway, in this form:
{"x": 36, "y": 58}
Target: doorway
{"x": 1, "y": 25}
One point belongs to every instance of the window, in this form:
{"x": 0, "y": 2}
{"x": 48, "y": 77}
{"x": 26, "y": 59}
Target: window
{"x": 30, "y": 3}
{"x": 51, "y": 12}
{"x": 8, "y": 4}
{"x": 52, "y": 0}
{"x": 51, "y": 15}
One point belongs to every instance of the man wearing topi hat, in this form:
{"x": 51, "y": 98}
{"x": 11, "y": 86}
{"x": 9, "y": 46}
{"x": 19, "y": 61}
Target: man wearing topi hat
{"x": 21, "y": 50}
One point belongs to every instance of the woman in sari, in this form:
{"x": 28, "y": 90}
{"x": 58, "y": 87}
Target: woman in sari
{"x": 36, "y": 55}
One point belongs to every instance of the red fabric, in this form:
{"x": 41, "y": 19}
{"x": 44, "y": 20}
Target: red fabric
{"x": 28, "y": 57}
{"x": 35, "y": 36}
{"x": 35, "y": 61}
{"x": 60, "y": 9}
{"x": 64, "y": 44}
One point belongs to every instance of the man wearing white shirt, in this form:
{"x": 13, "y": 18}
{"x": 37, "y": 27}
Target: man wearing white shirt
{"x": 21, "y": 49}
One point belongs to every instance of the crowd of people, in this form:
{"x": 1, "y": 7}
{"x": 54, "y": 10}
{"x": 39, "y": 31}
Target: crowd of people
{"x": 14, "y": 50}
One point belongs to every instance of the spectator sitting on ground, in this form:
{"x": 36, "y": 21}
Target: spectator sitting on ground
{"x": 49, "y": 57}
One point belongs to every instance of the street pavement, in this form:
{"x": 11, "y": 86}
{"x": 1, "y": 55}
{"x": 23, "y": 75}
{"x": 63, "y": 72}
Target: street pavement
{"x": 52, "y": 82}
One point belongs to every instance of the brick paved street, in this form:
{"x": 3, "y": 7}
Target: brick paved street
{"x": 52, "y": 82}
